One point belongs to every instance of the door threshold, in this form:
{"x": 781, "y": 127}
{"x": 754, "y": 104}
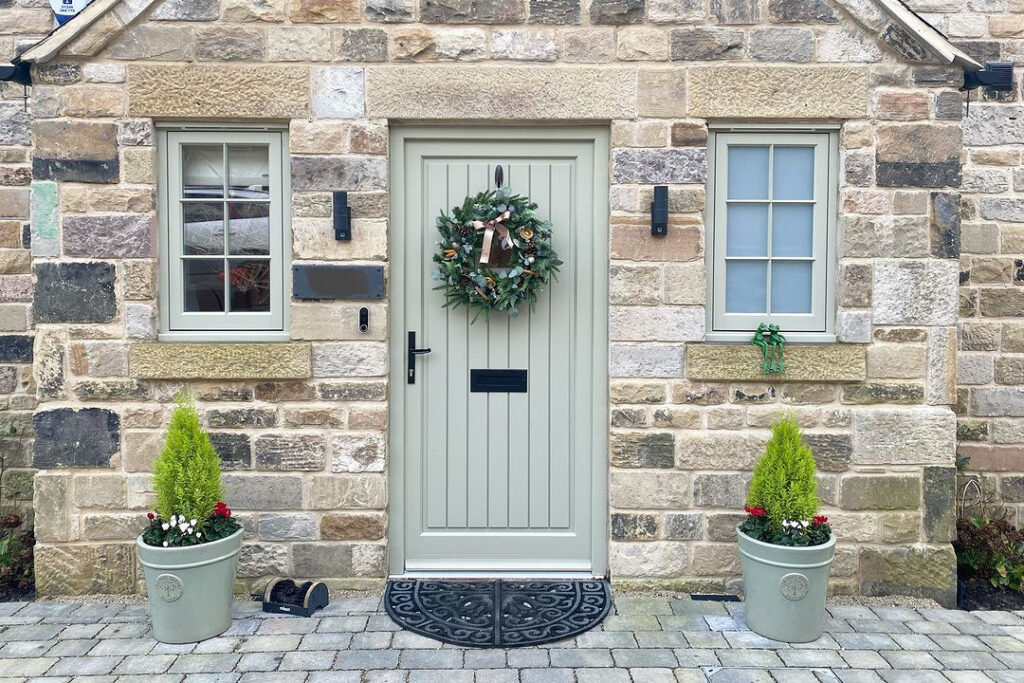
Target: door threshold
{"x": 505, "y": 575}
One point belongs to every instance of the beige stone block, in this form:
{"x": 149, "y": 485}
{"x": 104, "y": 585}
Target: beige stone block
{"x": 50, "y": 505}
{"x": 324, "y": 11}
{"x": 786, "y": 92}
{"x": 93, "y": 101}
{"x": 587, "y": 45}
{"x": 484, "y": 92}
{"x": 141, "y": 450}
{"x": 139, "y": 277}
{"x": 336, "y": 321}
{"x": 99, "y": 359}
{"x": 631, "y": 240}
{"x": 106, "y": 568}
{"x": 14, "y": 202}
{"x": 940, "y": 387}
{"x": 113, "y": 527}
{"x": 253, "y": 10}
{"x": 313, "y": 238}
{"x": 209, "y": 91}
{"x": 901, "y": 527}
{"x": 661, "y": 93}
{"x": 639, "y": 133}
{"x": 98, "y": 491}
{"x": 634, "y": 284}
{"x": 14, "y": 317}
{"x": 220, "y": 361}
{"x": 347, "y": 526}
{"x": 659, "y": 559}
{"x": 92, "y": 40}
{"x": 715, "y": 559}
{"x": 857, "y": 134}
{"x": 854, "y": 527}
{"x": 649, "y": 490}
{"x": 409, "y": 44}
{"x": 719, "y": 450}
{"x": 637, "y": 44}
{"x": 138, "y": 165}
{"x": 725, "y": 362}
{"x": 685, "y": 283}
{"x": 896, "y": 361}
{"x": 347, "y": 491}
{"x": 322, "y": 136}
{"x": 299, "y": 44}
{"x": 912, "y": 435}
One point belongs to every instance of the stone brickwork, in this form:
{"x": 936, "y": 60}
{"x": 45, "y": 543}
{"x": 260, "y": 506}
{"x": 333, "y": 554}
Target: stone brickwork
{"x": 307, "y": 455}
{"x": 990, "y": 375}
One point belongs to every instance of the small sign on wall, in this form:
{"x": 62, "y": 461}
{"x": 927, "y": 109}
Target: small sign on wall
{"x": 317, "y": 281}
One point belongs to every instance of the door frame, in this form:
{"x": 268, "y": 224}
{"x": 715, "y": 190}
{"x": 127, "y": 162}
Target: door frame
{"x": 399, "y": 134}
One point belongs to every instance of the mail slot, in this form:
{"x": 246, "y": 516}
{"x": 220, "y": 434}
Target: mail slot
{"x": 506, "y": 381}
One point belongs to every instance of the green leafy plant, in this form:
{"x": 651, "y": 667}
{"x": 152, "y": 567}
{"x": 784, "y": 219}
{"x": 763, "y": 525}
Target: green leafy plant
{"x": 186, "y": 478}
{"x": 992, "y": 550}
{"x": 782, "y": 502}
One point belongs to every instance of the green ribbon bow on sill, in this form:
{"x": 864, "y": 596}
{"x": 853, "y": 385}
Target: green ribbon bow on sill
{"x": 772, "y": 345}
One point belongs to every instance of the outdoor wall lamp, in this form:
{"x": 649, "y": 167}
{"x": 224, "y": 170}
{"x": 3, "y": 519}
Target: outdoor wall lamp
{"x": 342, "y": 217}
{"x": 996, "y": 76}
{"x": 659, "y": 211}
{"x": 15, "y": 73}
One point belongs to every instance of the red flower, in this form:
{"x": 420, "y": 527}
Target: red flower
{"x": 755, "y": 512}
{"x": 819, "y": 520}
{"x": 151, "y": 516}
{"x": 221, "y": 510}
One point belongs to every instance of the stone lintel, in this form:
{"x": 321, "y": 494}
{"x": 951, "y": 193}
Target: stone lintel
{"x": 220, "y": 361}
{"x": 778, "y": 92}
{"x": 742, "y": 363}
{"x": 212, "y": 92}
{"x": 501, "y": 92}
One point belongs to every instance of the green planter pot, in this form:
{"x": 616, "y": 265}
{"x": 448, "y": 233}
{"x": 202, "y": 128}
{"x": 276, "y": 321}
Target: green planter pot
{"x": 784, "y": 588}
{"x": 190, "y": 589}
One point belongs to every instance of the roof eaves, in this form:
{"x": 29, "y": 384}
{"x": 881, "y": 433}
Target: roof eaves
{"x": 62, "y": 36}
{"x": 930, "y": 36}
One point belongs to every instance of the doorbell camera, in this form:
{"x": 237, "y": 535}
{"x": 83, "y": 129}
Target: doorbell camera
{"x": 364, "y": 320}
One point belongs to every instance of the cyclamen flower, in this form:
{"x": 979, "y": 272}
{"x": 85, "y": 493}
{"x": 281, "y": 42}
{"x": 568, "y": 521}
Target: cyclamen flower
{"x": 755, "y": 511}
{"x": 191, "y": 522}
{"x": 151, "y": 516}
{"x": 165, "y": 526}
{"x": 165, "y": 544}
{"x": 221, "y": 510}
{"x": 183, "y": 527}
{"x": 819, "y": 520}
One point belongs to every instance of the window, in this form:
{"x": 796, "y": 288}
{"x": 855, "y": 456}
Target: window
{"x": 223, "y": 241}
{"x": 772, "y": 233}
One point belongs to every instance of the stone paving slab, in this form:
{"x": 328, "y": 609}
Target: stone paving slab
{"x": 645, "y": 640}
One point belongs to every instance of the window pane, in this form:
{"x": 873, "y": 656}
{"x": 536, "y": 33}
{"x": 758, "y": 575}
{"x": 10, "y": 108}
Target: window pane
{"x": 203, "y": 170}
{"x": 746, "y": 230}
{"x": 793, "y": 173}
{"x": 204, "y": 227}
{"x": 249, "y": 228}
{"x": 745, "y": 285}
{"x": 204, "y": 285}
{"x": 249, "y": 171}
{"x": 791, "y": 287}
{"x": 748, "y": 172}
{"x": 792, "y": 229}
{"x": 250, "y": 285}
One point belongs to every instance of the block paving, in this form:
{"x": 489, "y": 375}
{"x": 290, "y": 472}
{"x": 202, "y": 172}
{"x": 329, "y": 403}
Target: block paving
{"x": 644, "y": 640}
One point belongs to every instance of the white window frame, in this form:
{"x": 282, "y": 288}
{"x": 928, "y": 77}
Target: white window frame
{"x": 175, "y": 323}
{"x": 819, "y": 325}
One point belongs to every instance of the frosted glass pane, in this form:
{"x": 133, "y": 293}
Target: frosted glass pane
{"x": 793, "y": 175}
{"x": 202, "y": 168}
{"x": 748, "y": 173}
{"x": 791, "y": 287}
{"x": 745, "y": 285}
{"x": 792, "y": 229}
{"x": 746, "y": 230}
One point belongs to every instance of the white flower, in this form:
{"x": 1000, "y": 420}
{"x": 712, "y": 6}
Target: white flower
{"x": 183, "y": 527}
{"x": 174, "y": 520}
{"x": 804, "y": 524}
{"x": 165, "y": 526}
{"x": 199, "y": 534}
{"x": 192, "y": 522}
{"x": 165, "y": 544}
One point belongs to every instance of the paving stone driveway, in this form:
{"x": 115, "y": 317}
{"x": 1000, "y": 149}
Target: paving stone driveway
{"x": 645, "y": 640}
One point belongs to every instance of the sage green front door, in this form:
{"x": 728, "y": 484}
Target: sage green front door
{"x": 497, "y": 481}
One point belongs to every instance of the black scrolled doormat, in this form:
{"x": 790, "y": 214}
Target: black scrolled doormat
{"x": 497, "y": 613}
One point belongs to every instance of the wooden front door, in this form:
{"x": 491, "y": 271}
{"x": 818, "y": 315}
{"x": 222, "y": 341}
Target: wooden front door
{"x": 491, "y": 482}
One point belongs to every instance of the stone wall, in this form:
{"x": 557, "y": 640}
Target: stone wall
{"x": 18, "y": 22}
{"x": 990, "y": 405}
{"x": 306, "y": 454}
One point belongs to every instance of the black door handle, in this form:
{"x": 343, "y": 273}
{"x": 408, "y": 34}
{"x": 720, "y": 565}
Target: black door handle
{"x": 413, "y": 352}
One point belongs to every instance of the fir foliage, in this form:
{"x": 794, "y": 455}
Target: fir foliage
{"x": 784, "y": 484}
{"x": 186, "y": 476}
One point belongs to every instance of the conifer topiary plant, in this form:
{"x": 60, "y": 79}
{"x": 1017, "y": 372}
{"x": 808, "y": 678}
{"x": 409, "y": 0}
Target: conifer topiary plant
{"x": 782, "y": 502}
{"x": 186, "y": 478}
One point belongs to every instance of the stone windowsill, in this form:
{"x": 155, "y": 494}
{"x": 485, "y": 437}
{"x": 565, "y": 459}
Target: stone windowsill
{"x": 220, "y": 361}
{"x": 804, "y": 363}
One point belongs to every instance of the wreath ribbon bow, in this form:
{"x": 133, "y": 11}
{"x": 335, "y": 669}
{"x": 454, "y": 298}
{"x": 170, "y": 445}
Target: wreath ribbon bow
{"x": 490, "y": 227}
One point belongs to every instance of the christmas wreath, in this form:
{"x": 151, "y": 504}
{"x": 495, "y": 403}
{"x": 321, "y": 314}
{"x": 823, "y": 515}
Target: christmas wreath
{"x": 495, "y": 253}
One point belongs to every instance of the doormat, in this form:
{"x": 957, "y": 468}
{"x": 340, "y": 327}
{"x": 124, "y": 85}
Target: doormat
{"x": 497, "y": 613}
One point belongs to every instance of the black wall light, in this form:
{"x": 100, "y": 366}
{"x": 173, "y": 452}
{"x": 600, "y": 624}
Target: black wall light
{"x": 659, "y": 211}
{"x": 16, "y": 72}
{"x": 342, "y": 217}
{"x": 996, "y": 76}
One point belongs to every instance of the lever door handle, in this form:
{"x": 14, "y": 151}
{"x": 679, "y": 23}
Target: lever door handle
{"x": 413, "y": 352}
